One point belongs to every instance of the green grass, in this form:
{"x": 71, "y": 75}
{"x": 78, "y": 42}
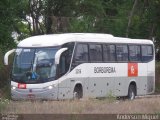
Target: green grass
{"x": 6, "y": 94}
{"x": 5, "y": 97}
{"x": 111, "y": 97}
{"x": 157, "y": 64}
{"x": 3, "y": 104}
{"x": 157, "y": 88}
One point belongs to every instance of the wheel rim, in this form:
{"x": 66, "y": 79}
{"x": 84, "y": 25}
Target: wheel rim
{"x": 132, "y": 95}
{"x": 75, "y": 95}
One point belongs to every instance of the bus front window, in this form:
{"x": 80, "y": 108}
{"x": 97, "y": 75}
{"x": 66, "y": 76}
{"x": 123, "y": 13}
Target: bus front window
{"x": 34, "y": 65}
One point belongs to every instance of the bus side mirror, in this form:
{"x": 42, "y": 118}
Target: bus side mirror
{"x": 7, "y": 55}
{"x": 58, "y": 54}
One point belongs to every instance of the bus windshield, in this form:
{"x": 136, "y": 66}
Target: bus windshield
{"x": 34, "y": 65}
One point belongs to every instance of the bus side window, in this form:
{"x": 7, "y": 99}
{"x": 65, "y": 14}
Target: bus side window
{"x": 80, "y": 55}
{"x": 122, "y": 53}
{"x": 95, "y": 53}
{"x": 109, "y": 53}
{"x": 147, "y": 53}
{"x": 134, "y": 53}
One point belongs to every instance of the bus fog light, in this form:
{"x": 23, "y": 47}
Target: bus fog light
{"x": 50, "y": 87}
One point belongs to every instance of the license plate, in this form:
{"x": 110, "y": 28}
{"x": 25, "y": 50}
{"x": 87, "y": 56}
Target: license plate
{"x": 31, "y": 96}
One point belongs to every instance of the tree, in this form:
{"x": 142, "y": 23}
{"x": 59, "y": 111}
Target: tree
{"x": 6, "y": 27}
{"x": 130, "y": 16}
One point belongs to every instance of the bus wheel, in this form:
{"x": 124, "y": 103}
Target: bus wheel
{"x": 131, "y": 92}
{"x": 78, "y": 92}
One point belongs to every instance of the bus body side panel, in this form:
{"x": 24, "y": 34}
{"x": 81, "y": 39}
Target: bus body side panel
{"x": 121, "y": 79}
{"x": 121, "y": 86}
{"x": 97, "y": 79}
{"x": 151, "y": 77}
{"x": 141, "y": 80}
{"x": 64, "y": 90}
{"x": 103, "y": 79}
{"x": 124, "y": 78}
{"x": 101, "y": 86}
{"x": 95, "y": 83}
{"x": 69, "y": 80}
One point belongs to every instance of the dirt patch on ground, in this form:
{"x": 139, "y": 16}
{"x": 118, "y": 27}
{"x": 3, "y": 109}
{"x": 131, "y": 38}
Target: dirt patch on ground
{"x": 86, "y": 106}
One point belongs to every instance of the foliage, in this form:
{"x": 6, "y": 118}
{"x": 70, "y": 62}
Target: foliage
{"x": 110, "y": 97}
{"x": 57, "y": 16}
{"x": 8, "y": 16}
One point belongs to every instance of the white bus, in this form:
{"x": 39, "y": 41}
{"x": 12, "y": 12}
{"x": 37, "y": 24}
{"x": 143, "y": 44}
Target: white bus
{"x": 76, "y": 65}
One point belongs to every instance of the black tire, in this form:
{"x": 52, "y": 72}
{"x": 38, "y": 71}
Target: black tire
{"x": 78, "y": 92}
{"x": 131, "y": 92}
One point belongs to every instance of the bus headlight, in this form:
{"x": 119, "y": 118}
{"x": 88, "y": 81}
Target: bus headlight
{"x": 50, "y": 87}
{"x": 13, "y": 87}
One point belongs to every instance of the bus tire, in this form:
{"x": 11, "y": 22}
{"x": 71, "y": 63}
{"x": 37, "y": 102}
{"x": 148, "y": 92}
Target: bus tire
{"x": 131, "y": 92}
{"x": 78, "y": 92}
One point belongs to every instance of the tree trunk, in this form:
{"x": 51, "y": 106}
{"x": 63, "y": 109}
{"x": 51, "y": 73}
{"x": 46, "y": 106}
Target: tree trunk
{"x": 151, "y": 33}
{"x": 130, "y": 17}
{"x": 48, "y": 19}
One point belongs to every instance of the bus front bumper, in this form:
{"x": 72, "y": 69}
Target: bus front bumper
{"x": 27, "y": 94}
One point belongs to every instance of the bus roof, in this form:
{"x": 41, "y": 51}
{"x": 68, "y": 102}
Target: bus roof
{"x": 60, "y": 39}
